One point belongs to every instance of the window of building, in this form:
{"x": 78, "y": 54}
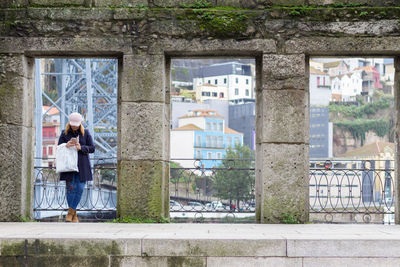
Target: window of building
{"x": 229, "y": 141}
{"x": 209, "y": 81}
{"x": 318, "y": 81}
{"x": 44, "y": 151}
{"x": 215, "y": 94}
{"x": 237, "y": 141}
{"x": 208, "y": 141}
{"x": 247, "y": 81}
{"x": 220, "y": 141}
{"x": 209, "y": 155}
{"x": 216, "y": 81}
{"x": 208, "y": 126}
{"x": 221, "y": 95}
{"x": 50, "y": 150}
{"x": 224, "y": 80}
{"x": 237, "y": 80}
{"x": 236, "y": 91}
{"x": 198, "y": 154}
{"x": 215, "y": 126}
{"x": 198, "y": 141}
{"x": 214, "y": 141}
{"x": 219, "y": 155}
{"x": 205, "y": 93}
{"x": 247, "y": 92}
{"x": 220, "y": 126}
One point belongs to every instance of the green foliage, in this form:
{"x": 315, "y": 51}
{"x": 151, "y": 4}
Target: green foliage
{"x": 363, "y": 14}
{"x": 363, "y": 110}
{"x": 290, "y": 219}
{"x": 140, "y": 220}
{"x": 235, "y": 181}
{"x": 359, "y": 127}
{"x": 26, "y": 219}
{"x": 198, "y": 4}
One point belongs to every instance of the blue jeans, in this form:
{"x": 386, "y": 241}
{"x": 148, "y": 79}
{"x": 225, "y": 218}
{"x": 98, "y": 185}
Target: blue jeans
{"x": 74, "y": 191}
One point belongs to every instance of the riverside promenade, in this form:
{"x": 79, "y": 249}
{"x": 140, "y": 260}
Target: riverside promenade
{"x": 110, "y": 244}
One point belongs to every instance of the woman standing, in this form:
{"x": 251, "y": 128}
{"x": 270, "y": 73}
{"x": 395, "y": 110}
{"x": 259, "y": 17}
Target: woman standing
{"x": 75, "y": 135}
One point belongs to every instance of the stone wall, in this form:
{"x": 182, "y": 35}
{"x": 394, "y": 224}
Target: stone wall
{"x": 144, "y": 36}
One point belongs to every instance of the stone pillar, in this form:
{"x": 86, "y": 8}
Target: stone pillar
{"x": 143, "y": 169}
{"x": 16, "y": 137}
{"x": 282, "y": 139}
{"x": 396, "y": 178}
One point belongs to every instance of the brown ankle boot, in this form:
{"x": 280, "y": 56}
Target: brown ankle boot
{"x": 75, "y": 217}
{"x": 69, "y": 216}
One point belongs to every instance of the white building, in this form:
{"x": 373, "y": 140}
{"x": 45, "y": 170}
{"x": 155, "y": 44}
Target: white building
{"x": 320, "y": 87}
{"x": 210, "y": 91}
{"x": 236, "y": 77}
{"x": 346, "y": 87}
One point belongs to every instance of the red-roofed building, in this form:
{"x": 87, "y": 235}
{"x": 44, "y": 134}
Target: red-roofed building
{"x": 50, "y": 135}
{"x": 202, "y": 134}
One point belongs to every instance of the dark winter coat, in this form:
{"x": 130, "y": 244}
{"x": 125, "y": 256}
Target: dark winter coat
{"x": 87, "y": 146}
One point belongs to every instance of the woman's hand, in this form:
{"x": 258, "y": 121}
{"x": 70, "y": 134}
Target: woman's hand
{"x": 78, "y": 146}
{"x": 70, "y": 144}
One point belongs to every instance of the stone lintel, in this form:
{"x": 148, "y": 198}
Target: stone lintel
{"x": 142, "y": 131}
{"x": 282, "y": 178}
{"x": 143, "y": 189}
{"x": 215, "y": 47}
{"x": 143, "y": 78}
{"x": 53, "y": 46}
{"x": 282, "y": 117}
{"x": 344, "y": 46}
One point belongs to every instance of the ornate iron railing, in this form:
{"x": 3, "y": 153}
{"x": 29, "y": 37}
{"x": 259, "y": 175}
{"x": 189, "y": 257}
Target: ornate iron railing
{"x": 340, "y": 191}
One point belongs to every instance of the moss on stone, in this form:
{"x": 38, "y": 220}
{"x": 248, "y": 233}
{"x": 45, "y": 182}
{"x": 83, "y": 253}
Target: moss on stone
{"x": 48, "y": 248}
{"x": 185, "y": 261}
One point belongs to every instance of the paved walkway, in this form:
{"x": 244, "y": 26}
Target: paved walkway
{"x": 295, "y": 245}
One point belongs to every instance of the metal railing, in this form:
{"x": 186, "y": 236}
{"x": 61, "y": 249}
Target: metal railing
{"x": 340, "y": 191}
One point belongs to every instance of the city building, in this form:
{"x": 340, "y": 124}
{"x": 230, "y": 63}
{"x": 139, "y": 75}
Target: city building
{"x": 209, "y": 91}
{"x": 320, "y": 87}
{"x": 242, "y": 118}
{"x": 371, "y": 80}
{"x": 202, "y": 134}
{"x": 321, "y": 133}
{"x": 346, "y": 87}
{"x": 51, "y": 132}
{"x": 182, "y": 107}
{"x": 236, "y": 77}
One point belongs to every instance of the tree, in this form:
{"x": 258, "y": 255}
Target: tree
{"x": 234, "y": 178}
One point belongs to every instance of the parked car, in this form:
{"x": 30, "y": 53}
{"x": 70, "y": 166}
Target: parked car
{"x": 175, "y": 205}
{"x": 221, "y": 207}
{"x": 195, "y": 205}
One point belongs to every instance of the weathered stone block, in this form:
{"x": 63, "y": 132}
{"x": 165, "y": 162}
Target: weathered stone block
{"x": 143, "y": 78}
{"x": 259, "y": 261}
{"x": 16, "y": 175}
{"x": 283, "y": 116}
{"x": 279, "y": 67}
{"x": 343, "y": 45}
{"x": 162, "y": 261}
{"x": 350, "y": 262}
{"x": 140, "y": 189}
{"x": 341, "y": 248}
{"x": 124, "y": 3}
{"x": 213, "y": 47}
{"x": 16, "y": 98}
{"x": 289, "y": 83}
{"x": 107, "y": 46}
{"x": 214, "y": 248}
{"x": 142, "y": 131}
{"x": 174, "y": 3}
{"x": 283, "y": 171}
